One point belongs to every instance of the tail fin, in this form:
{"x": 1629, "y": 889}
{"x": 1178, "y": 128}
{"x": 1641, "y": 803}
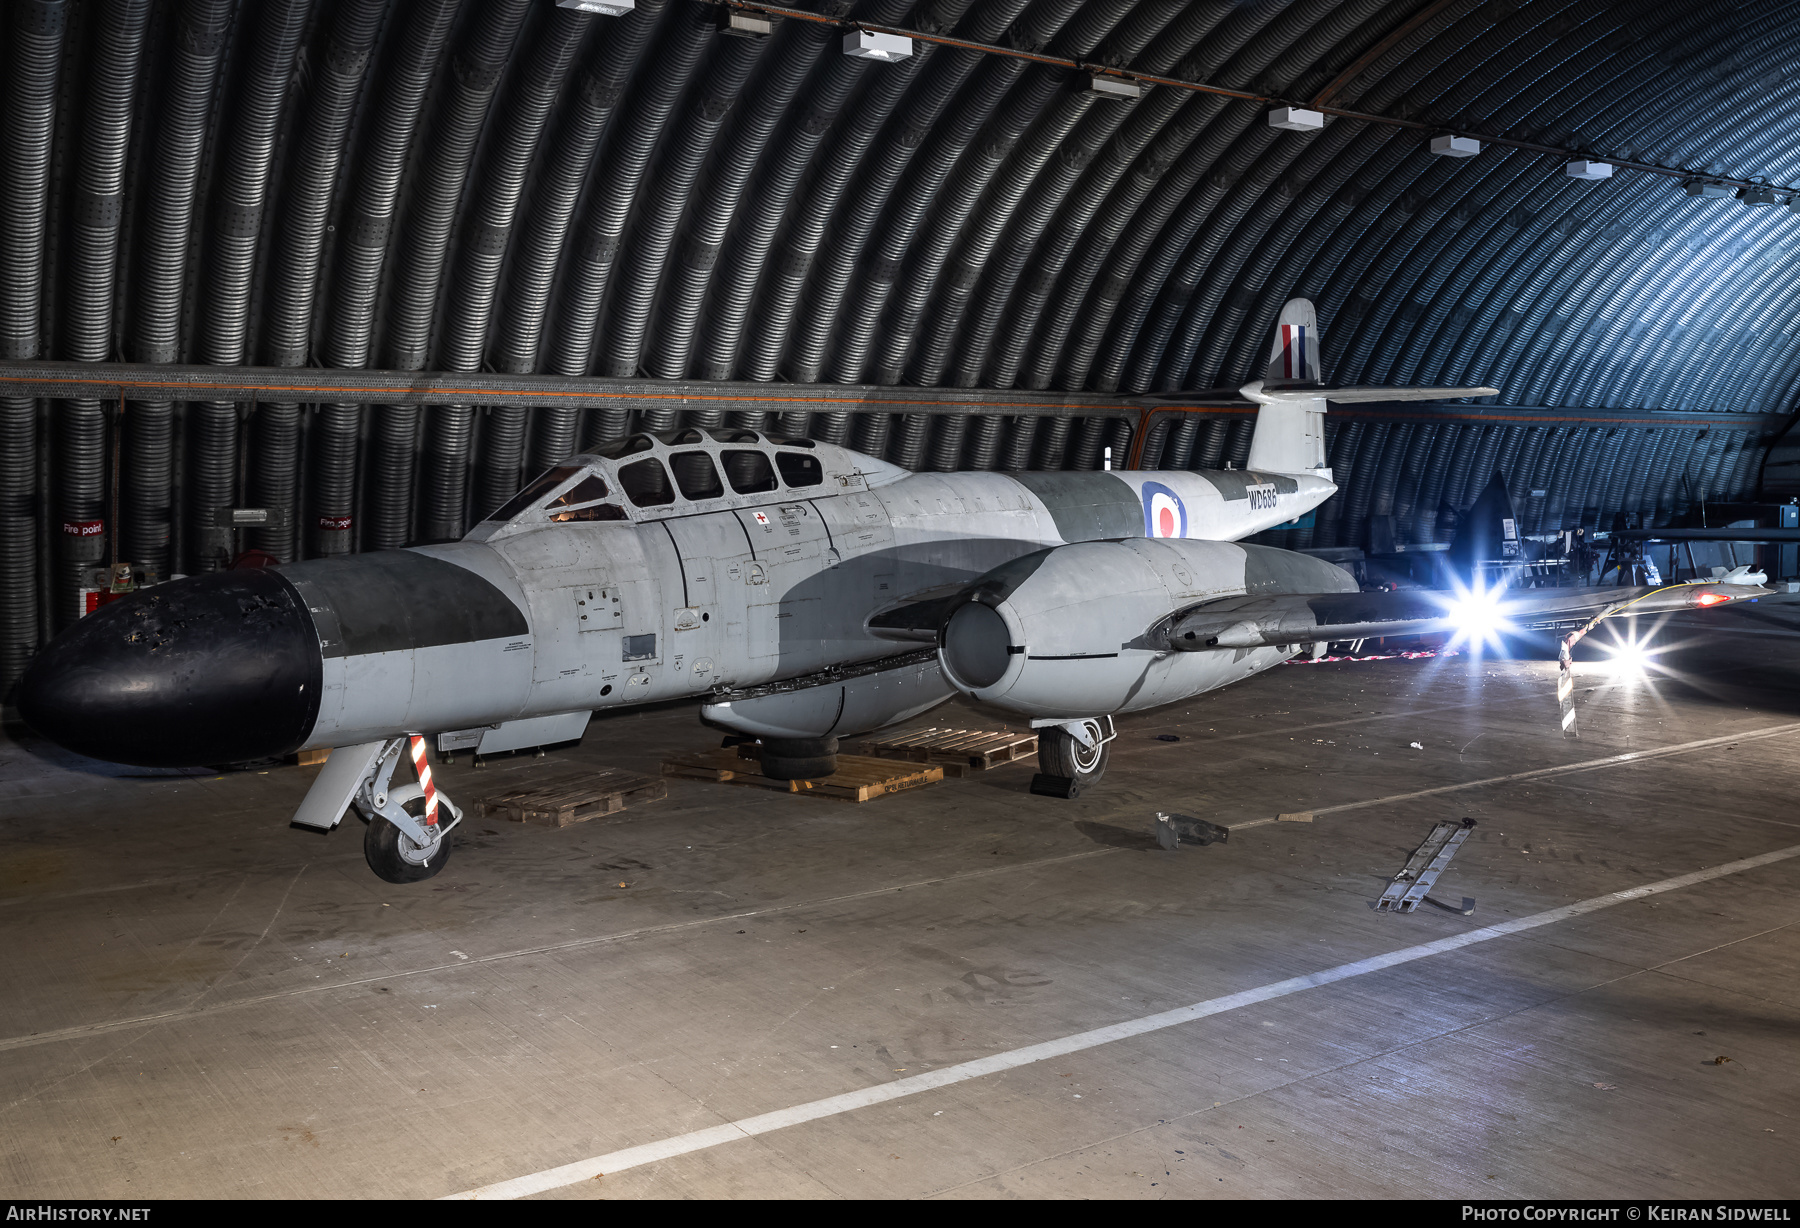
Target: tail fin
{"x": 1294, "y": 356}
{"x": 1290, "y": 426}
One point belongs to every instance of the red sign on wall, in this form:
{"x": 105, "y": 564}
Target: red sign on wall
{"x": 334, "y": 523}
{"x": 84, "y": 528}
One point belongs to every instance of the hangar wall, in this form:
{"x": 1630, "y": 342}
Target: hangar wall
{"x": 429, "y": 185}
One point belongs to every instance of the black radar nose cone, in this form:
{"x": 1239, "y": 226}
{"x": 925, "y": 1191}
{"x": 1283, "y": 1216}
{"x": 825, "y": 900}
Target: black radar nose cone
{"x": 212, "y": 669}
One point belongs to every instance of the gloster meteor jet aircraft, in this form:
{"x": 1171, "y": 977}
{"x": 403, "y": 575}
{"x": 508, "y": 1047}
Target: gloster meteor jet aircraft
{"x": 803, "y": 590}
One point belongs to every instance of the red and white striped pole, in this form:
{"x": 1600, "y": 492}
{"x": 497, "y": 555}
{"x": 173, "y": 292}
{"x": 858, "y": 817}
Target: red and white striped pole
{"x": 424, "y": 770}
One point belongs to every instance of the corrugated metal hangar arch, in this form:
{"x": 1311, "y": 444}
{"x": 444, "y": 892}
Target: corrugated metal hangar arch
{"x": 770, "y": 230}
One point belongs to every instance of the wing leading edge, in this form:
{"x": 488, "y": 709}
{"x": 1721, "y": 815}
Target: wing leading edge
{"x": 1299, "y": 618}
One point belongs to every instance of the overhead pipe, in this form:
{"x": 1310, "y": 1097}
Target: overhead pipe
{"x": 1052, "y": 443}
{"x": 397, "y": 436}
{"x": 759, "y": 216}
{"x": 1172, "y": 119}
{"x": 362, "y": 255}
{"x": 588, "y": 269}
{"x": 1021, "y": 435}
{"x": 473, "y": 272}
{"x": 161, "y": 244}
{"x": 581, "y": 124}
{"x": 32, "y": 61}
{"x": 211, "y": 473}
{"x": 784, "y": 283}
{"x": 298, "y": 241}
{"x": 936, "y": 184}
{"x": 659, "y": 215}
{"x": 836, "y": 270}
{"x": 717, "y": 200}
{"x": 982, "y": 197}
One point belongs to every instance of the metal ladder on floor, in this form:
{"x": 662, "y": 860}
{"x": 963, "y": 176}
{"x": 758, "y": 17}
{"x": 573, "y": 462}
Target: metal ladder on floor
{"x": 1411, "y": 886}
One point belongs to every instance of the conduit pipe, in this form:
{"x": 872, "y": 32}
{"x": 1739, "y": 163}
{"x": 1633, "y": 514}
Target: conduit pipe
{"x": 308, "y": 188}
{"x": 734, "y": 282}
{"x": 32, "y": 61}
{"x": 486, "y": 233}
{"x": 211, "y": 474}
{"x": 716, "y": 202}
{"x": 588, "y": 271}
{"x": 368, "y": 221}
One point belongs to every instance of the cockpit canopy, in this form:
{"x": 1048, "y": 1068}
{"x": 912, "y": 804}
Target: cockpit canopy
{"x": 651, "y": 476}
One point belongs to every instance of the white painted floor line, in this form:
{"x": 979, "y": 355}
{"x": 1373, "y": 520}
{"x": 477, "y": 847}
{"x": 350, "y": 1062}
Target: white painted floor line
{"x": 1630, "y": 756}
{"x": 780, "y": 1119}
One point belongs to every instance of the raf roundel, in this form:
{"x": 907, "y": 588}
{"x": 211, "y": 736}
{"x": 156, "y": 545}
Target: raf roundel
{"x": 1164, "y": 514}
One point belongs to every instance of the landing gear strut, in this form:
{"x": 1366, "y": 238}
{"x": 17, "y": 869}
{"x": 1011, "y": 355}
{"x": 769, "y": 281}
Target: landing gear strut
{"x": 403, "y": 843}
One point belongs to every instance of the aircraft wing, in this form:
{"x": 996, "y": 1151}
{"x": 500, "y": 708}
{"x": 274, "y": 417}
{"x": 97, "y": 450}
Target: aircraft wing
{"x": 916, "y": 619}
{"x": 1300, "y": 618}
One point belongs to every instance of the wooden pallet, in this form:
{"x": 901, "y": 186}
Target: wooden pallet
{"x": 858, "y": 778}
{"x": 957, "y": 751}
{"x": 574, "y": 799}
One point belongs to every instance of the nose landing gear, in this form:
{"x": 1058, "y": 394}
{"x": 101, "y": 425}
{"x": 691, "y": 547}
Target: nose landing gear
{"x": 393, "y": 854}
{"x": 406, "y": 841}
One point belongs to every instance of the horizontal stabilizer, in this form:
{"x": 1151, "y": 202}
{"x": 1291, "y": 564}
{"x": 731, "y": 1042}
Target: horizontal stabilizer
{"x": 1302, "y": 618}
{"x": 1351, "y": 395}
{"x": 1264, "y": 395}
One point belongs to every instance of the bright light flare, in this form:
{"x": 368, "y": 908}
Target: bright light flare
{"x": 1478, "y": 616}
{"x": 1628, "y": 656}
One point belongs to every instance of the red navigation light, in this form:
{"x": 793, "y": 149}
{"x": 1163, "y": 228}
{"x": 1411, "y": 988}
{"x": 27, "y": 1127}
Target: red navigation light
{"x": 1706, "y": 599}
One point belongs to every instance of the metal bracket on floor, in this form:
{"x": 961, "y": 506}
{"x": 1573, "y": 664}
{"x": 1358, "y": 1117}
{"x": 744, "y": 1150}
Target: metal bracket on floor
{"x": 1409, "y": 887}
{"x": 1175, "y": 830}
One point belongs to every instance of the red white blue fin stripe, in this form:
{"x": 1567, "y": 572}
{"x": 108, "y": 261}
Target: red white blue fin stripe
{"x": 1293, "y": 351}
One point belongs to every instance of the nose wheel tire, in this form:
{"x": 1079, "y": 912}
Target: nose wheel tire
{"x": 1061, "y": 754}
{"x": 393, "y": 855}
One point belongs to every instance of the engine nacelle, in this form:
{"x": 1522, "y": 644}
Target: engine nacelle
{"x": 1073, "y": 631}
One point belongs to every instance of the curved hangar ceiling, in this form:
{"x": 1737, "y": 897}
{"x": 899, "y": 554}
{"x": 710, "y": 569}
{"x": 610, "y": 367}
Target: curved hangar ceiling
{"x": 518, "y": 186}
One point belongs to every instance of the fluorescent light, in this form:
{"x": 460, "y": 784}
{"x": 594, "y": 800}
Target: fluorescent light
{"x": 1114, "y": 88}
{"x": 868, "y": 45}
{"x": 1296, "y": 119}
{"x": 745, "y": 24}
{"x": 1586, "y": 169}
{"x": 600, "y": 8}
{"x": 1699, "y": 188}
{"x": 1758, "y": 196}
{"x": 1447, "y": 146}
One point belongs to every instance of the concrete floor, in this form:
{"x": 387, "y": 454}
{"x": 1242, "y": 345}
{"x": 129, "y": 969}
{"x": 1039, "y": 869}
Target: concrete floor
{"x": 197, "y": 1000}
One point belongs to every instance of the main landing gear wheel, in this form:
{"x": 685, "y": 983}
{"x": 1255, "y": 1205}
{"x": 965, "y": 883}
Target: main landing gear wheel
{"x": 1061, "y": 754}
{"x": 799, "y": 758}
{"x": 394, "y": 857}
